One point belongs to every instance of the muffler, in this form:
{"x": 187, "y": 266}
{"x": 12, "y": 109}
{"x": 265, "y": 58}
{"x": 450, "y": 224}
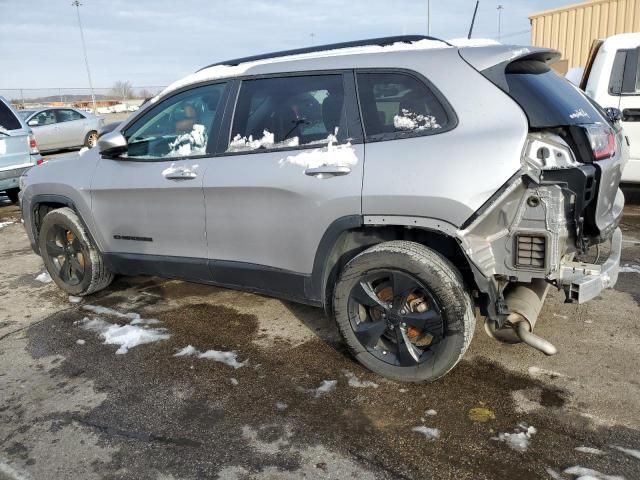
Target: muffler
{"x": 525, "y": 302}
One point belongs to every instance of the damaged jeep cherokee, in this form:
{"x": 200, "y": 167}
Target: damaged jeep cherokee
{"x": 401, "y": 183}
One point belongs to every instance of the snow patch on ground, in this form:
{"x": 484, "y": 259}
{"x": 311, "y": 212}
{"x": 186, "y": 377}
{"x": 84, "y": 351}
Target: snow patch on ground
{"x": 587, "y": 473}
{"x": 564, "y": 317}
{"x": 431, "y": 412}
{"x": 430, "y": 433}
{"x": 590, "y": 450}
{"x": 553, "y": 474}
{"x": 228, "y": 358}
{"x": 519, "y": 439}
{"x": 126, "y": 336}
{"x": 44, "y": 277}
{"x": 234, "y": 382}
{"x": 355, "y": 382}
{"x": 6, "y": 224}
{"x": 537, "y": 372}
{"x": 83, "y": 150}
{"x": 80, "y": 341}
{"x": 74, "y": 299}
{"x": 411, "y": 121}
{"x": 325, "y": 387}
{"x": 630, "y": 268}
{"x": 281, "y": 406}
{"x": 628, "y": 451}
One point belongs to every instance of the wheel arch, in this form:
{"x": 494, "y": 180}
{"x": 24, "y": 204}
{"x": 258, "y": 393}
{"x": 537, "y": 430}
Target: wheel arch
{"x": 348, "y": 236}
{"x": 42, "y": 204}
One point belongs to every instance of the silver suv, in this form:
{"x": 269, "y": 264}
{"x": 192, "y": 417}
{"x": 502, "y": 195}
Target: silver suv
{"x": 399, "y": 183}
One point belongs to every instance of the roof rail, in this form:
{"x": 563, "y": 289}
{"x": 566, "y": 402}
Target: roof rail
{"x": 382, "y": 42}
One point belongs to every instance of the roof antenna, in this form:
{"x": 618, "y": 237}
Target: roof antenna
{"x": 473, "y": 20}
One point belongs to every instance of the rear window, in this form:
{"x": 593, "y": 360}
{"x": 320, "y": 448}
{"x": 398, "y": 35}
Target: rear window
{"x": 8, "y": 120}
{"x": 547, "y": 99}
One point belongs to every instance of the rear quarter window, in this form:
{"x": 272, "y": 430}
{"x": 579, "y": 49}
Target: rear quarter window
{"x": 8, "y": 120}
{"x": 547, "y": 99}
{"x": 397, "y": 105}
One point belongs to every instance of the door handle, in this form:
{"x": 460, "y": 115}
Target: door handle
{"x": 631, "y": 115}
{"x": 327, "y": 171}
{"x": 181, "y": 174}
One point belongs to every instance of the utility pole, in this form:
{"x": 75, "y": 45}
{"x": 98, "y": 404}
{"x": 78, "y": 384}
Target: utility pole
{"x": 428, "y": 18}
{"x": 77, "y": 4}
{"x": 499, "y": 8}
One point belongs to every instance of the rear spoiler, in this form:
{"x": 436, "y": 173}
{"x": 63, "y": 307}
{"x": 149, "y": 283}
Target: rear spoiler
{"x": 492, "y": 61}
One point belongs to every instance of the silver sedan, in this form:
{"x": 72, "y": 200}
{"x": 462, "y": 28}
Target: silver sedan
{"x": 58, "y": 128}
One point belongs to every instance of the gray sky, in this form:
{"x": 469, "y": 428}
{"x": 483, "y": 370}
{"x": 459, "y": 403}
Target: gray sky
{"x": 155, "y": 42}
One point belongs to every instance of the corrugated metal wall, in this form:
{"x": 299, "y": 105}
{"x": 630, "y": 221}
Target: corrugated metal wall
{"x": 571, "y": 29}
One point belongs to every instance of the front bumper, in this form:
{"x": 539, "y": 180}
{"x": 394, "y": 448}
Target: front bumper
{"x": 585, "y": 281}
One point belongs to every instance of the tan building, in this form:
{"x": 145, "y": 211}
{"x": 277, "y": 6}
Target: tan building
{"x": 572, "y": 29}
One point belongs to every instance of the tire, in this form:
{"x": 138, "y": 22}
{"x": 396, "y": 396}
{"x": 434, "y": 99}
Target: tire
{"x": 439, "y": 286}
{"x": 91, "y": 139}
{"x": 88, "y": 273}
{"x": 12, "y": 193}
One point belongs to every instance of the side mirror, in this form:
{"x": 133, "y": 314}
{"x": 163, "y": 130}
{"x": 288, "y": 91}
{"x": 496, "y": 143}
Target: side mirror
{"x": 613, "y": 114}
{"x": 33, "y": 123}
{"x": 112, "y": 144}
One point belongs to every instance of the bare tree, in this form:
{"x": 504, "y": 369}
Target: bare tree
{"x": 144, "y": 93}
{"x": 122, "y": 89}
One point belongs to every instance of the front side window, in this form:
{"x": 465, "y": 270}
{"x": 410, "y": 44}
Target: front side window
{"x": 68, "y": 115}
{"x": 287, "y": 112}
{"x": 48, "y": 117}
{"x": 180, "y": 126}
{"x": 397, "y": 103}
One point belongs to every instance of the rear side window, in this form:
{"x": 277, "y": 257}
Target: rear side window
{"x": 288, "y": 112}
{"x": 398, "y": 104}
{"x": 68, "y": 115}
{"x": 8, "y": 120}
{"x": 547, "y": 99}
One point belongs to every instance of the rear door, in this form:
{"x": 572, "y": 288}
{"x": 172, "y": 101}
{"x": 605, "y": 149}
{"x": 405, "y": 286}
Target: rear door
{"x": 14, "y": 144}
{"x": 290, "y": 164}
{"x": 71, "y": 127}
{"x": 149, "y": 203}
{"x": 45, "y": 129}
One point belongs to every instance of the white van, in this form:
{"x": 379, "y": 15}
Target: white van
{"x": 612, "y": 78}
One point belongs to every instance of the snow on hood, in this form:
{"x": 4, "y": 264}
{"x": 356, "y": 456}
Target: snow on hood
{"x": 225, "y": 71}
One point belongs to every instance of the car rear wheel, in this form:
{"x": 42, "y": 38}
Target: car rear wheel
{"x": 12, "y": 193}
{"x": 91, "y": 139}
{"x": 404, "y": 312}
{"x": 69, "y": 255}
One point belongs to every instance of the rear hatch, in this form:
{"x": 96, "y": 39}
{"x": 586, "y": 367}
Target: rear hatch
{"x": 15, "y": 148}
{"x": 552, "y": 103}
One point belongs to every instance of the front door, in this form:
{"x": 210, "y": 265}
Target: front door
{"x": 149, "y": 203}
{"x": 288, "y": 171}
{"x": 45, "y": 129}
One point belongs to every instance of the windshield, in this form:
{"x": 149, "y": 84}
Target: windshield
{"x": 8, "y": 120}
{"x": 25, "y": 113}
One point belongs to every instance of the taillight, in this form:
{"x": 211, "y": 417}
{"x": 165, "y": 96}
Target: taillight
{"x": 602, "y": 140}
{"x": 33, "y": 145}
{"x": 40, "y": 161}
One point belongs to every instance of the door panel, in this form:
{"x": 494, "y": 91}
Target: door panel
{"x": 151, "y": 202}
{"x": 266, "y": 201}
{"x": 630, "y": 107}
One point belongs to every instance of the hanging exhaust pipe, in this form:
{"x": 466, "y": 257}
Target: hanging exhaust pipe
{"x": 525, "y": 302}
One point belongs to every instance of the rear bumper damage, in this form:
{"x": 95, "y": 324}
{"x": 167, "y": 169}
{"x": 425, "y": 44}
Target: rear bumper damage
{"x": 585, "y": 281}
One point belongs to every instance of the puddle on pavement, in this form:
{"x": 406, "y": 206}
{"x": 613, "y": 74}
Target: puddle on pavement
{"x": 154, "y": 395}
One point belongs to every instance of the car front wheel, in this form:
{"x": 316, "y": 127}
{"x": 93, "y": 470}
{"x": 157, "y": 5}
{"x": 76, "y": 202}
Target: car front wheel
{"x": 69, "y": 255}
{"x": 404, "y": 312}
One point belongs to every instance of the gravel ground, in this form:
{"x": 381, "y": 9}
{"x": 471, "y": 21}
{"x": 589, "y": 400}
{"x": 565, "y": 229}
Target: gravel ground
{"x": 70, "y": 407}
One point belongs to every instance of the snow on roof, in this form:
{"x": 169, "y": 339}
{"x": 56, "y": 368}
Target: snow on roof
{"x": 225, "y": 71}
{"x": 473, "y": 42}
